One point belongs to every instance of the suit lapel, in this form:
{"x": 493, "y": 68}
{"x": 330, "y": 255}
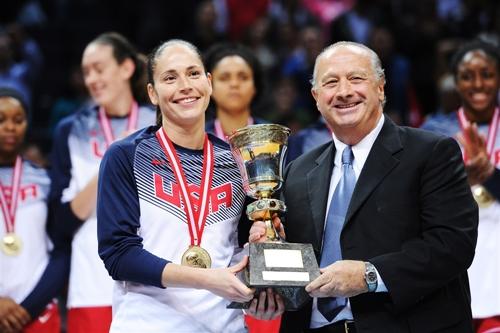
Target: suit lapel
{"x": 318, "y": 184}
{"x": 379, "y": 163}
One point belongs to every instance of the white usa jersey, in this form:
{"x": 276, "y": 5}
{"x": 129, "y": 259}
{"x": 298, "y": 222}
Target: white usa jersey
{"x": 146, "y": 227}
{"x": 80, "y": 145}
{"x": 20, "y": 273}
{"x": 483, "y": 272}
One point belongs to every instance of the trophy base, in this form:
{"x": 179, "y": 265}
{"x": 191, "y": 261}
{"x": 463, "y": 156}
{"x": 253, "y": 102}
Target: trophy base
{"x": 285, "y": 267}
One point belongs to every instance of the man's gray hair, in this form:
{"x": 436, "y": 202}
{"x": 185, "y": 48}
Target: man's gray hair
{"x": 374, "y": 59}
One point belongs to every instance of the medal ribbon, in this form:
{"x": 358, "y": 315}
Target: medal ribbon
{"x": 492, "y": 131}
{"x": 9, "y": 208}
{"x": 196, "y": 219}
{"x": 220, "y": 133}
{"x": 106, "y": 124}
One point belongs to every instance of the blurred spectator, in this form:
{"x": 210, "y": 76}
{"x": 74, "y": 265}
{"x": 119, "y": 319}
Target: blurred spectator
{"x": 257, "y": 37}
{"x": 449, "y": 99}
{"x": 242, "y": 14}
{"x": 73, "y": 97}
{"x": 307, "y": 139}
{"x": 357, "y": 23}
{"x": 327, "y": 11}
{"x": 449, "y": 102}
{"x": 287, "y": 110}
{"x": 397, "y": 72}
{"x": 32, "y": 14}
{"x": 425, "y": 32}
{"x": 299, "y": 66}
{"x": 290, "y": 11}
{"x": 20, "y": 61}
{"x": 418, "y": 31}
{"x": 205, "y": 33}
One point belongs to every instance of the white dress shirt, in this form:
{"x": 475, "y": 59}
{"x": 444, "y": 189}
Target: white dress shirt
{"x": 360, "y": 151}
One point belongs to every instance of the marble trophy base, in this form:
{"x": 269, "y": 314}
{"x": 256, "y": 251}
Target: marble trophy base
{"x": 285, "y": 267}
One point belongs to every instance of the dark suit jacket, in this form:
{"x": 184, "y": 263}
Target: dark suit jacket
{"x": 411, "y": 214}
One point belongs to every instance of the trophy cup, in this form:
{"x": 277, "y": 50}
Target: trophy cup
{"x": 259, "y": 151}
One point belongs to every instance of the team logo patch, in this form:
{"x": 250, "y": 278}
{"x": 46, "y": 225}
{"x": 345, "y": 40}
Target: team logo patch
{"x": 28, "y": 191}
{"x": 220, "y": 196}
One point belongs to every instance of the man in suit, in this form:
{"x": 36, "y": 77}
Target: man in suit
{"x": 395, "y": 242}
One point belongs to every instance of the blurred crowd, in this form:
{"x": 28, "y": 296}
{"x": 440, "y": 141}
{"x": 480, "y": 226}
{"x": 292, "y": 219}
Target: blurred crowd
{"x": 41, "y": 43}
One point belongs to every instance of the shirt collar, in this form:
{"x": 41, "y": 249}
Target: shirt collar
{"x": 362, "y": 148}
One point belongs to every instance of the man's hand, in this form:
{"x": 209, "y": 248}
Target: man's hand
{"x": 275, "y": 305}
{"x": 258, "y": 230}
{"x": 344, "y": 278}
{"x": 13, "y": 317}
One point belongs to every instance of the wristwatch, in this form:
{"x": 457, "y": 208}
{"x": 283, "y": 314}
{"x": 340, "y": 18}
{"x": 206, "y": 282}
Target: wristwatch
{"x": 371, "y": 277}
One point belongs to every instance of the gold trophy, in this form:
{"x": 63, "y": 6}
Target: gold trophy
{"x": 259, "y": 151}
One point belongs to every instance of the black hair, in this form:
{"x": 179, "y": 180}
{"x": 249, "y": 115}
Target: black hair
{"x": 221, "y": 50}
{"x": 475, "y": 45}
{"x": 122, "y": 50}
{"x": 10, "y": 92}
{"x": 153, "y": 57}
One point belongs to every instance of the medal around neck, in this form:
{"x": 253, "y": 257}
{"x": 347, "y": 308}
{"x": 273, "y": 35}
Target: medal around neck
{"x": 11, "y": 244}
{"x": 259, "y": 151}
{"x": 483, "y": 198}
{"x": 197, "y": 257}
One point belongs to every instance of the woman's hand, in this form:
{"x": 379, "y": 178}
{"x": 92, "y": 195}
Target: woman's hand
{"x": 275, "y": 305}
{"x": 477, "y": 165}
{"x": 220, "y": 281}
{"x": 224, "y": 283}
{"x": 13, "y": 317}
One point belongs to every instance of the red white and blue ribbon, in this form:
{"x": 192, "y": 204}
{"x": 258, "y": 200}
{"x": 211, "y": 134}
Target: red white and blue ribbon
{"x": 196, "y": 218}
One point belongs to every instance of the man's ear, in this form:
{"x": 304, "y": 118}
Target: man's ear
{"x": 314, "y": 93}
{"x": 381, "y": 91}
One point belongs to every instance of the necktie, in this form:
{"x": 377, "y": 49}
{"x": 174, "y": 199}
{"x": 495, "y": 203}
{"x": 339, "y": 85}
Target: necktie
{"x": 331, "y": 306}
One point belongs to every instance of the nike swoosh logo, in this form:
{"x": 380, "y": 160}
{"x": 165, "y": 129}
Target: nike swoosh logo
{"x": 43, "y": 319}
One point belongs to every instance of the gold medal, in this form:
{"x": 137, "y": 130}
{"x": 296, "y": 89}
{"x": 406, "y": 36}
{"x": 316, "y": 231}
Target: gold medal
{"x": 11, "y": 244}
{"x": 196, "y": 256}
{"x": 482, "y": 196}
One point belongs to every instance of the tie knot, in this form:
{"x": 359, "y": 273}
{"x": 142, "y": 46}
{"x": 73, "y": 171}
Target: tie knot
{"x": 347, "y": 156}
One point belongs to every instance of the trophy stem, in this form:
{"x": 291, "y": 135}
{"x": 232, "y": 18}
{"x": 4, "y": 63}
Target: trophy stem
{"x": 263, "y": 210}
{"x": 271, "y": 233}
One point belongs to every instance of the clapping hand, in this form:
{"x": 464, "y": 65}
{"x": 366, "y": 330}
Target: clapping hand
{"x": 478, "y": 165}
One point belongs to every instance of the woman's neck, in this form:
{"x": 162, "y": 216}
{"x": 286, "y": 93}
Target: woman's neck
{"x": 231, "y": 122}
{"x": 192, "y": 137}
{"x": 121, "y": 106}
{"x": 480, "y": 117}
{"x": 8, "y": 159}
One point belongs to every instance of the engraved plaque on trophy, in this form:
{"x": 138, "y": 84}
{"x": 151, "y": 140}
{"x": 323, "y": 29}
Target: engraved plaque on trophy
{"x": 259, "y": 151}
